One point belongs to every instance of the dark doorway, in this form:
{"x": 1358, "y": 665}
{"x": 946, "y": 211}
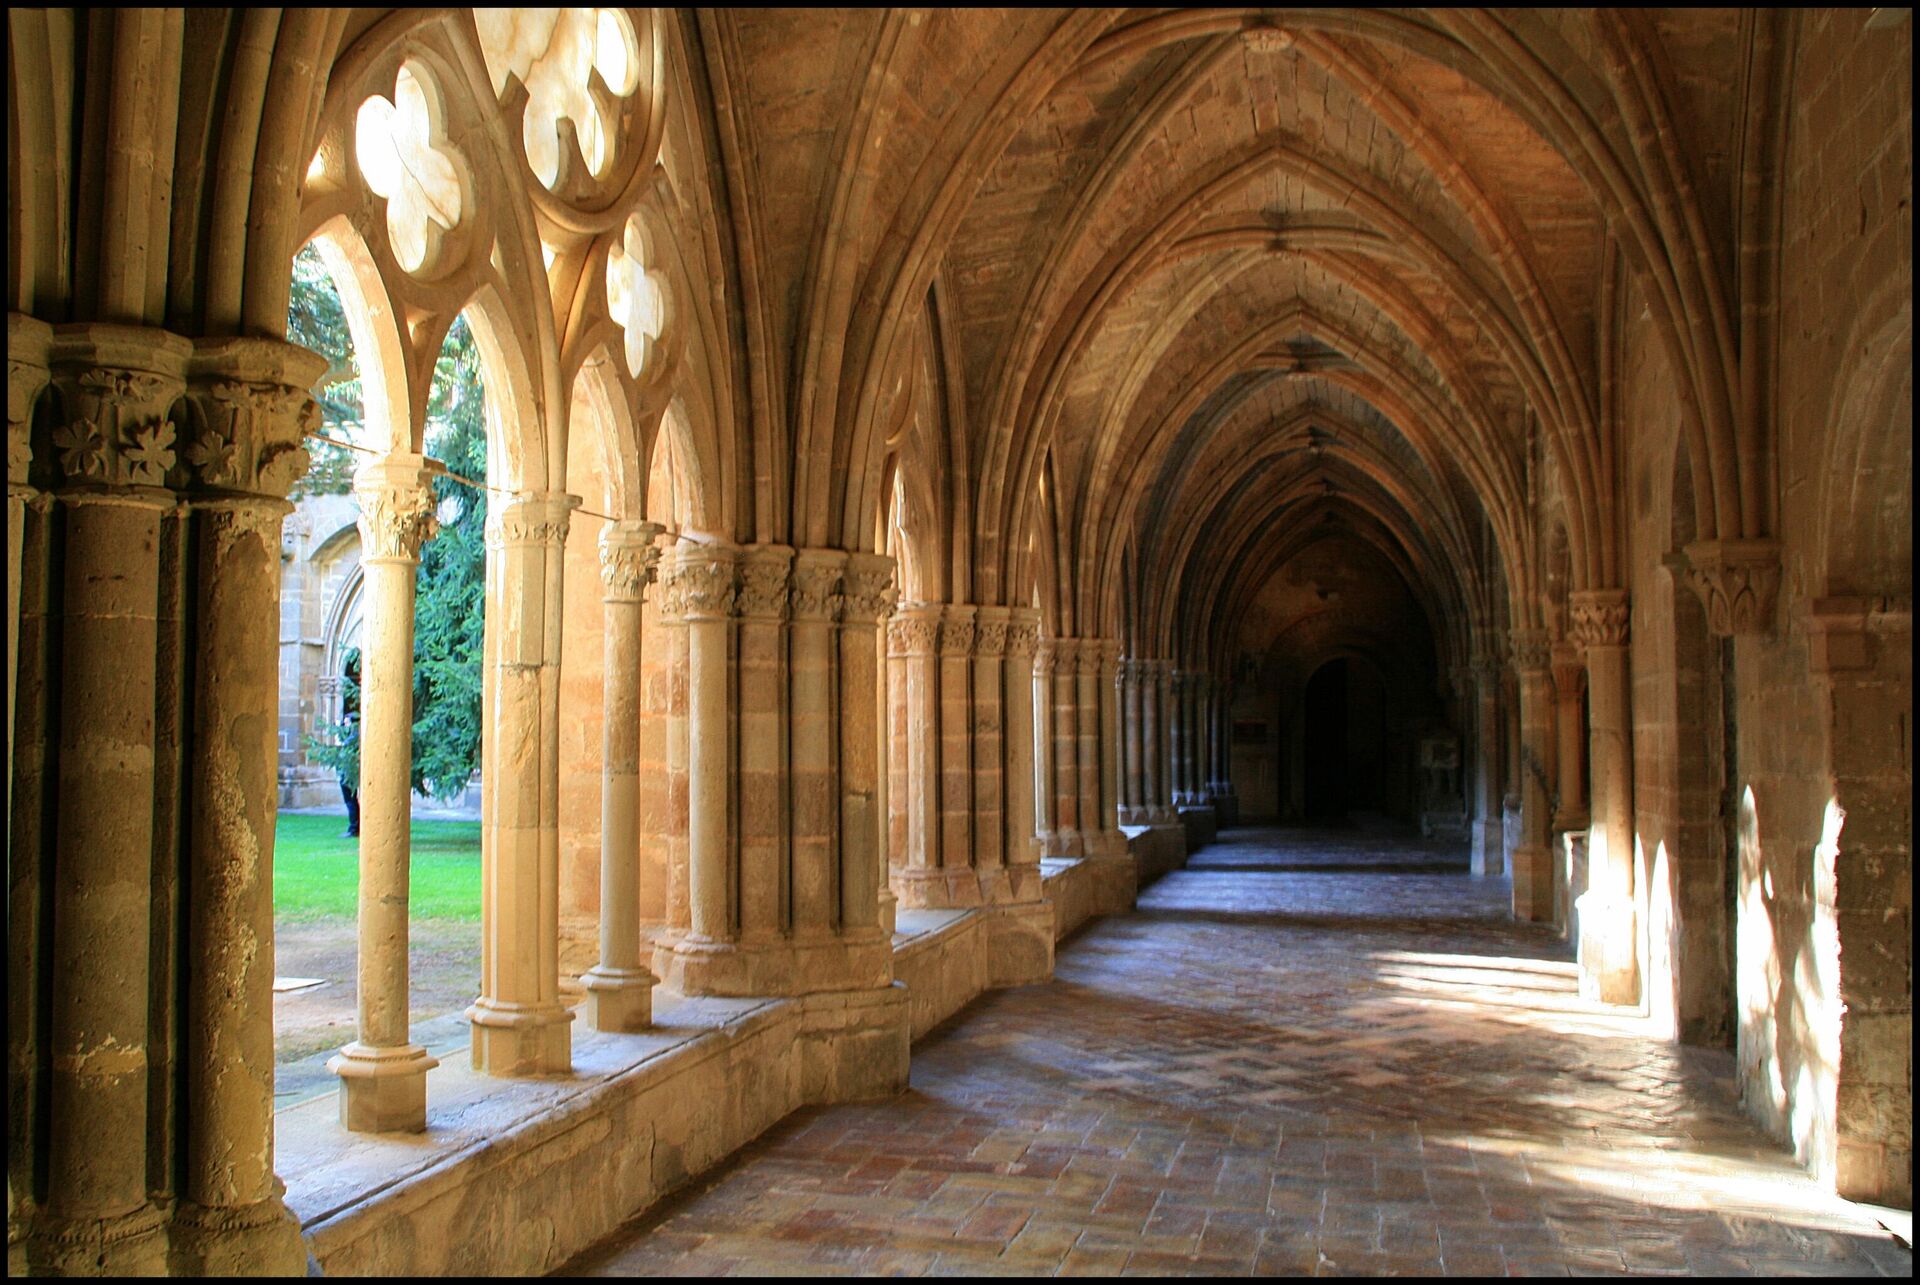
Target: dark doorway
{"x": 1326, "y": 743}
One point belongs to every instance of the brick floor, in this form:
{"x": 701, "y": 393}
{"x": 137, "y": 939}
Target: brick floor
{"x": 1309, "y": 1052}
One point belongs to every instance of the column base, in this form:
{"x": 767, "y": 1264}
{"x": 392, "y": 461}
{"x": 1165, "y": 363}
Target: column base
{"x": 383, "y": 1090}
{"x": 838, "y": 962}
{"x": 941, "y": 888}
{"x": 511, "y": 1040}
{"x": 1489, "y": 857}
{"x": 1533, "y": 882}
{"x": 1061, "y": 843}
{"x": 1019, "y": 943}
{"x": 128, "y": 1244}
{"x": 1024, "y": 882}
{"x": 619, "y": 999}
{"x": 261, "y": 1239}
{"x": 1609, "y": 963}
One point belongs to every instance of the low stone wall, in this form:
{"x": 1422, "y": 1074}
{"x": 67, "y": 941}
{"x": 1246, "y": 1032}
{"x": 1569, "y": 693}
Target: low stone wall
{"x": 517, "y": 1176}
{"x": 1201, "y": 824}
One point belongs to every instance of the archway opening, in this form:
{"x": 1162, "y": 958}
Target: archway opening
{"x": 1328, "y": 765}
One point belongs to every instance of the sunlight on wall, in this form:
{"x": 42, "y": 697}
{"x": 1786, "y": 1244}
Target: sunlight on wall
{"x": 1663, "y": 945}
{"x": 1758, "y": 967}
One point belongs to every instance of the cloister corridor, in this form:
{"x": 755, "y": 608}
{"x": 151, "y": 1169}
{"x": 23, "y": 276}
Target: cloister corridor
{"x": 1307, "y": 1052}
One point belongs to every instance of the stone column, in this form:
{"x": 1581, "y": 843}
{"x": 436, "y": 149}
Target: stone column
{"x": 114, "y": 455}
{"x": 867, "y": 586}
{"x": 1110, "y": 751}
{"x": 1023, "y": 843}
{"x": 520, "y": 1027}
{"x": 383, "y": 1076}
{"x": 1087, "y": 745}
{"x": 1489, "y": 846}
{"x": 765, "y": 895}
{"x": 1177, "y": 738}
{"x": 1153, "y": 781}
{"x": 990, "y": 753}
{"x": 1609, "y": 964}
{"x": 1533, "y": 855}
{"x": 27, "y": 374}
{"x": 1204, "y": 723}
{"x": 1043, "y": 661}
{"x": 1134, "y": 794}
{"x": 705, "y": 578}
{"x": 1570, "y": 739}
{"x": 912, "y": 641}
{"x": 620, "y": 986}
{"x": 255, "y": 402}
{"x": 1066, "y": 749}
{"x": 955, "y": 771}
{"x": 813, "y": 797}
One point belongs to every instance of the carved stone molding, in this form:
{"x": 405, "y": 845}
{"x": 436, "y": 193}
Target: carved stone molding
{"x": 1598, "y": 617}
{"x": 814, "y": 589}
{"x": 1532, "y": 649}
{"x": 395, "y": 521}
{"x": 629, "y": 559}
{"x": 702, "y": 583}
{"x": 764, "y": 573}
{"x": 913, "y": 631}
{"x": 531, "y": 518}
{"x": 867, "y": 590}
{"x": 1737, "y": 581}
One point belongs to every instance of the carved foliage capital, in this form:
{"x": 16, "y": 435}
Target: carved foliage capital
{"x": 990, "y": 638}
{"x": 1598, "y": 617}
{"x": 956, "y": 635}
{"x": 121, "y": 431}
{"x": 815, "y": 590}
{"x": 1738, "y": 582}
{"x": 395, "y": 521}
{"x": 250, "y": 436}
{"x": 762, "y": 591}
{"x": 699, "y": 586}
{"x": 1532, "y": 649}
{"x": 629, "y": 559}
{"x": 1023, "y": 637}
{"x": 867, "y": 589}
{"x": 912, "y": 633}
{"x": 533, "y": 518}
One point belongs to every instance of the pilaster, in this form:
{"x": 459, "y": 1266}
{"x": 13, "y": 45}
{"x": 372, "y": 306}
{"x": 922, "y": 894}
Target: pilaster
{"x": 1533, "y": 897}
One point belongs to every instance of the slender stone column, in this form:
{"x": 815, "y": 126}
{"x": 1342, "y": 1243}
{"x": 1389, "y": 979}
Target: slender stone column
{"x": 1570, "y": 751}
{"x": 520, "y": 1027}
{"x": 705, "y": 578}
{"x": 955, "y": 772}
{"x": 1087, "y": 744}
{"x": 1023, "y": 843}
{"x": 1066, "y": 749}
{"x": 1150, "y": 736}
{"x": 383, "y": 1076}
{"x": 912, "y": 641}
{"x": 255, "y": 406}
{"x": 765, "y": 894}
{"x": 1609, "y": 964}
{"x": 113, "y": 459}
{"x": 1489, "y": 851}
{"x": 1176, "y": 713}
{"x": 1533, "y": 855}
{"x": 990, "y": 753}
{"x": 1043, "y": 662}
{"x": 620, "y": 986}
{"x": 27, "y": 374}
{"x": 867, "y": 586}
{"x": 814, "y": 800}
{"x": 1110, "y": 747}
{"x": 1205, "y": 723}
{"x": 1133, "y": 794}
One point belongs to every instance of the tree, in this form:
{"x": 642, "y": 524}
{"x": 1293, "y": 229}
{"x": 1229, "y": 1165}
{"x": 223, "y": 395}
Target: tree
{"x": 449, "y": 602}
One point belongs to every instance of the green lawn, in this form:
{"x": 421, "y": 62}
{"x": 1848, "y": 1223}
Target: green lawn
{"x": 316, "y": 873}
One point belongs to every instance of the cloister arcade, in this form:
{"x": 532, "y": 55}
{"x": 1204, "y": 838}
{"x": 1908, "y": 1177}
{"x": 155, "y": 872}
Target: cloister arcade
{"x": 943, "y": 467}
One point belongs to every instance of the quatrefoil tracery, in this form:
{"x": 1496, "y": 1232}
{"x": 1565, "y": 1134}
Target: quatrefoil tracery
{"x": 575, "y": 64}
{"x": 404, "y": 161}
{"x": 635, "y": 298}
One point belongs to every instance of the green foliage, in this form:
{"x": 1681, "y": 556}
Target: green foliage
{"x": 316, "y": 872}
{"x": 449, "y": 605}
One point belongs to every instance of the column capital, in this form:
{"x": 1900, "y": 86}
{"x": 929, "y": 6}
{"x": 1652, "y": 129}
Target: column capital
{"x": 765, "y": 570}
{"x": 1598, "y": 617}
{"x": 1023, "y": 631}
{"x": 396, "y": 506}
{"x": 1090, "y": 655}
{"x": 814, "y": 587}
{"x": 956, "y": 629}
{"x": 992, "y": 626}
{"x": 698, "y": 582}
{"x": 914, "y": 629}
{"x": 119, "y": 385}
{"x": 1846, "y": 633}
{"x": 1532, "y": 650}
{"x": 1569, "y": 670}
{"x": 1738, "y": 581}
{"x": 629, "y": 559}
{"x": 257, "y": 408}
{"x": 867, "y": 588}
{"x": 530, "y": 518}
{"x": 28, "y": 339}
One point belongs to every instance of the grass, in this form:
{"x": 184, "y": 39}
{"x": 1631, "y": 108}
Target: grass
{"x": 316, "y": 872}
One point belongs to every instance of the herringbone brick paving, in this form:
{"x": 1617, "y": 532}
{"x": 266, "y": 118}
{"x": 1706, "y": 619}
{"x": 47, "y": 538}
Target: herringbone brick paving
{"x": 1312, "y": 1052}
